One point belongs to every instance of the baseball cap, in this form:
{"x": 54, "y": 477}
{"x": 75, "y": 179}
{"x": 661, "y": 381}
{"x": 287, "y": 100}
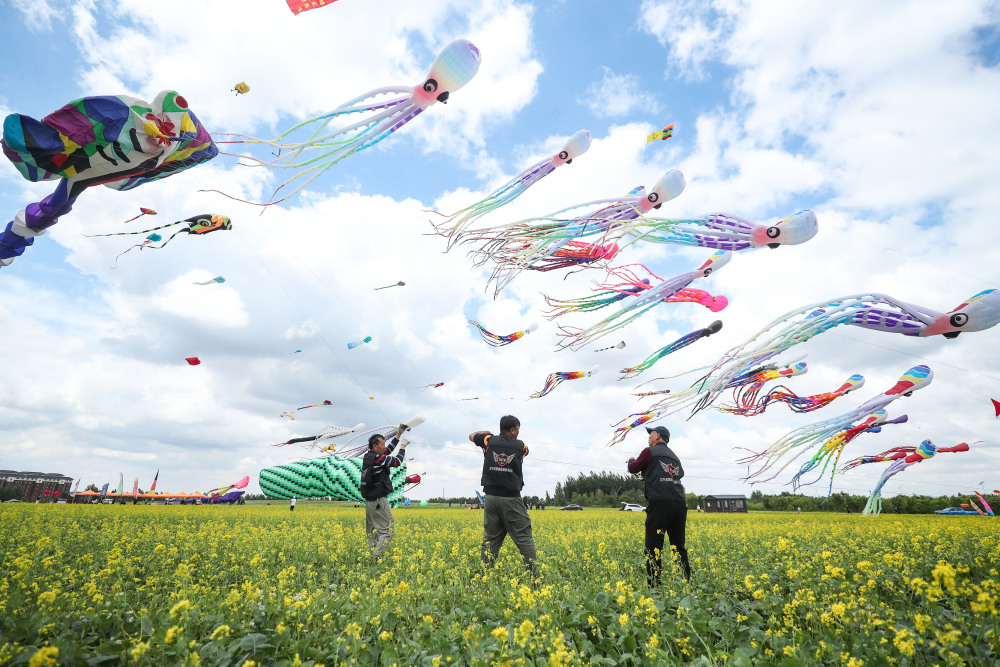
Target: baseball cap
{"x": 662, "y": 430}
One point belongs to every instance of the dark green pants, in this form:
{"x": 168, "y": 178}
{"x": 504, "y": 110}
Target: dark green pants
{"x": 503, "y": 517}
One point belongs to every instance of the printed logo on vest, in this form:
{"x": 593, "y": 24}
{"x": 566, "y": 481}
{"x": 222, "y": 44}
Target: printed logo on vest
{"x": 502, "y": 459}
{"x": 669, "y": 468}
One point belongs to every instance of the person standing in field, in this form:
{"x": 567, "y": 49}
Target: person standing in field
{"x": 504, "y": 511}
{"x": 376, "y": 485}
{"x": 666, "y": 505}
{"x": 291, "y": 504}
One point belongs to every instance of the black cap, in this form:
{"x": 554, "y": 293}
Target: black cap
{"x": 662, "y": 430}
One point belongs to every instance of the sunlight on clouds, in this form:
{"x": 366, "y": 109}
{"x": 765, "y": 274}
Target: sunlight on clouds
{"x": 38, "y": 14}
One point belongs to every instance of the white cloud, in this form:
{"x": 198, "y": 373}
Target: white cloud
{"x": 616, "y": 95}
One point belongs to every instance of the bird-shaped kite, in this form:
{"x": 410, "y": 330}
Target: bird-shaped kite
{"x": 119, "y": 141}
{"x": 454, "y": 67}
{"x": 454, "y": 223}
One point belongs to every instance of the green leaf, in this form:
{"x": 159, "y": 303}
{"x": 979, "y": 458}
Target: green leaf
{"x": 791, "y": 662}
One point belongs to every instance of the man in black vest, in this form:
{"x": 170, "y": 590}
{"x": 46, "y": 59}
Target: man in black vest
{"x": 504, "y": 512}
{"x": 376, "y": 485}
{"x": 666, "y": 506}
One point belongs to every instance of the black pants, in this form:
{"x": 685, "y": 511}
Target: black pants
{"x": 670, "y": 517}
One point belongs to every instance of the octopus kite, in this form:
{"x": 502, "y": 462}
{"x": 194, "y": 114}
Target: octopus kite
{"x": 456, "y": 65}
{"x": 119, "y": 141}
{"x": 680, "y": 343}
{"x": 674, "y": 402}
{"x": 724, "y": 231}
{"x": 533, "y": 244}
{"x": 645, "y": 296}
{"x": 835, "y": 433}
{"x": 554, "y": 379}
{"x": 902, "y": 458}
{"x": 455, "y": 223}
{"x": 499, "y": 340}
{"x": 870, "y": 311}
{"x": 746, "y": 404}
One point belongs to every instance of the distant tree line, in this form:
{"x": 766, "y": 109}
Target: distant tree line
{"x": 608, "y": 489}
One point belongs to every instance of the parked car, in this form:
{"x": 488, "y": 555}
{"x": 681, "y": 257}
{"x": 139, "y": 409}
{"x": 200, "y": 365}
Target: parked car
{"x": 955, "y": 511}
{"x": 571, "y": 507}
{"x": 632, "y": 507}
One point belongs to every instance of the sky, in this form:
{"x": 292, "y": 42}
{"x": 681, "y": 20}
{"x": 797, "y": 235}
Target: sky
{"x": 880, "y": 119}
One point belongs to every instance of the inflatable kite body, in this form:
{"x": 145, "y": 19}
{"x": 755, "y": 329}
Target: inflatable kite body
{"x": 456, "y": 65}
{"x": 452, "y": 227}
{"x": 724, "y": 231}
{"x": 335, "y": 476}
{"x": 638, "y": 295}
{"x": 118, "y": 141}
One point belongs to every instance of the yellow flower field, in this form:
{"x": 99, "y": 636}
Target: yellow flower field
{"x": 258, "y": 585}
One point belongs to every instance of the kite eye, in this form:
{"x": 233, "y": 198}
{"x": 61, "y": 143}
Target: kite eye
{"x": 707, "y": 271}
{"x": 959, "y": 320}
{"x": 563, "y": 155}
{"x": 653, "y": 197}
{"x": 430, "y": 86}
{"x": 773, "y": 232}
{"x": 181, "y": 102}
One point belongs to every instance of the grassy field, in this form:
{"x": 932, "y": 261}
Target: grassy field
{"x": 259, "y": 585}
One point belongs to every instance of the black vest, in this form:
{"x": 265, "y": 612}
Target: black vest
{"x": 502, "y": 466}
{"x": 661, "y": 476}
{"x": 373, "y": 484}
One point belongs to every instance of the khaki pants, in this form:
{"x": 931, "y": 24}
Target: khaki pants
{"x": 502, "y": 517}
{"x": 379, "y": 525}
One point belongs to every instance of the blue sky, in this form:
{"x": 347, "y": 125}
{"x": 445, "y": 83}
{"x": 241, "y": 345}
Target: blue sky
{"x": 875, "y": 120}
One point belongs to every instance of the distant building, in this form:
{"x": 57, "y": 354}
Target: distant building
{"x": 724, "y": 503}
{"x": 35, "y": 484}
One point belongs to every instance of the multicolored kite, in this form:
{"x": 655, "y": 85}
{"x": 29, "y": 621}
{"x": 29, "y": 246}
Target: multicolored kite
{"x": 902, "y": 458}
{"x": 399, "y": 284}
{"x": 119, "y": 141}
{"x": 453, "y": 68}
{"x": 197, "y": 225}
{"x": 661, "y": 135}
{"x": 299, "y": 6}
{"x": 554, "y": 379}
{"x": 456, "y": 222}
{"x": 680, "y": 343}
{"x": 646, "y": 296}
{"x": 746, "y": 403}
{"x": 498, "y": 340}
